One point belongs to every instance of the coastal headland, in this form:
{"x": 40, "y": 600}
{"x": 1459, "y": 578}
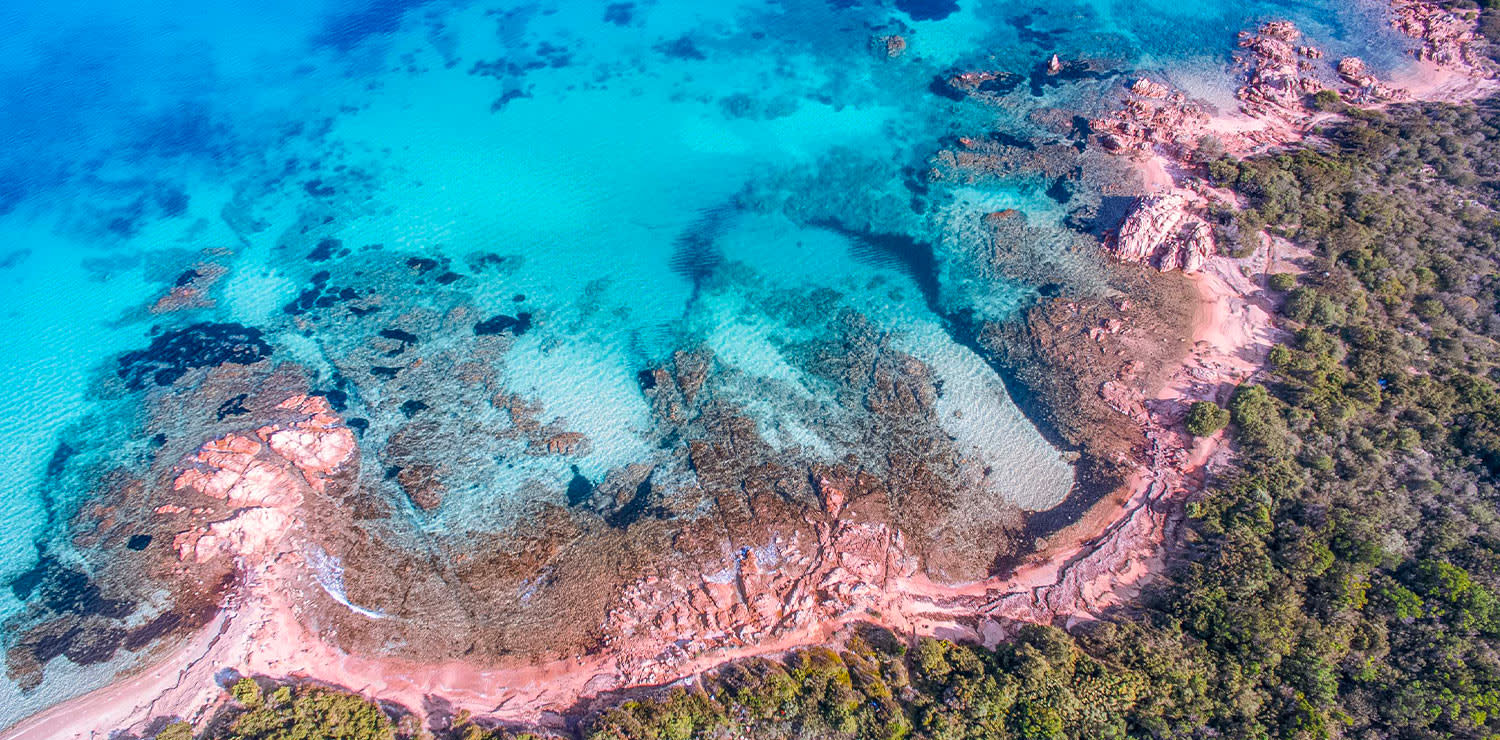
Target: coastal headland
{"x": 276, "y": 568}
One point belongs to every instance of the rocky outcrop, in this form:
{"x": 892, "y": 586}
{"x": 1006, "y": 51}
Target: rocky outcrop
{"x": 190, "y": 289}
{"x": 1365, "y": 86}
{"x": 1448, "y": 38}
{"x": 890, "y": 47}
{"x": 1151, "y": 118}
{"x": 1279, "y": 76}
{"x": 317, "y": 445}
{"x": 985, "y": 84}
{"x": 262, "y": 482}
{"x": 1150, "y": 89}
{"x": 1279, "y": 73}
{"x": 1164, "y": 232}
{"x": 1354, "y": 71}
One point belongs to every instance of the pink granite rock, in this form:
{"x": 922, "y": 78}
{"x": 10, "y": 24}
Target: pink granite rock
{"x": 262, "y": 484}
{"x": 1164, "y": 232}
{"x": 1448, "y": 38}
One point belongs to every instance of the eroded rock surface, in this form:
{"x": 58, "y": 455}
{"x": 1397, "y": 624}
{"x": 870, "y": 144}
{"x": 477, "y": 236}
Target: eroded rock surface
{"x": 1163, "y": 231}
{"x": 263, "y": 482}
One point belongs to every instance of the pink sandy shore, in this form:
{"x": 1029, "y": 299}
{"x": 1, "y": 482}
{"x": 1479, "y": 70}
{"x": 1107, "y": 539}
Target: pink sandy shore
{"x": 1432, "y": 82}
{"x": 150, "y": 693}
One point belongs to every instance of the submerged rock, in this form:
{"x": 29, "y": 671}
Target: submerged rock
{"x": 891, "y": 46}
{"x": 984, "y": 84}
{"x": 422, "y": 485}
{"x": 927, "y": 10}
{"x": 173, "y": 354}
{"x": 516, "y": 325}
{"x": 190, "y": 289}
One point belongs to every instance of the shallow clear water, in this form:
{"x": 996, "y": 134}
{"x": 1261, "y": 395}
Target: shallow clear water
{"x": 655, "y": 174}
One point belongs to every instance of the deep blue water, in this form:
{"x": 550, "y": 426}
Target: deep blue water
{"x": 649, "y": 173}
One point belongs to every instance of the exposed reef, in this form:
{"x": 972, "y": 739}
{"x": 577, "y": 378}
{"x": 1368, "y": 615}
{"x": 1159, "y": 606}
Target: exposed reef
{"x": 262, "y": 479}
{"x": 1080, "y": 367}
{"x": 379, "y": 465}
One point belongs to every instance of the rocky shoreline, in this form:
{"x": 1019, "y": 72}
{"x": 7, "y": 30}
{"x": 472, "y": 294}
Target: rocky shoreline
{"x": 1123, "y": 366}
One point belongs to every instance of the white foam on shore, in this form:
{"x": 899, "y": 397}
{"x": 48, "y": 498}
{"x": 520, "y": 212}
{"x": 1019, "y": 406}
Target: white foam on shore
{"x": 329, "y": 573}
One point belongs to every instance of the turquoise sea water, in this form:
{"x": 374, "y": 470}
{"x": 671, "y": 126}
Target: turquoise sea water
{"x": 650, "y": 175}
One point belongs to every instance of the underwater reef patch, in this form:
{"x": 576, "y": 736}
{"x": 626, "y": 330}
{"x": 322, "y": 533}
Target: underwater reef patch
{"x": 927, "y": 10}
{"x": 516, "y": 325}
{"x": 682, "y": 48}
{"x": 327, "y": 249}
{"x": 620, "y": 14}
{"x": 173, "y": 354}
{"x": 320, "y": 295}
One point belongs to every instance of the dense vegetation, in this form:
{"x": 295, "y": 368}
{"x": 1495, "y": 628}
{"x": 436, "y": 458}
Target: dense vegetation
{"x": 874, "y": 687}
{"x": 299, "y": 713}
{"x": 1034, "y": 686}
{"x": 1340, "y": 583}
{"x": 1489, "y": 19}
{"x": 1343, "y": 581}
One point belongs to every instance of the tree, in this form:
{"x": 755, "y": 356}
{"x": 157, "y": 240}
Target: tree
{"x": 247, "y": 692}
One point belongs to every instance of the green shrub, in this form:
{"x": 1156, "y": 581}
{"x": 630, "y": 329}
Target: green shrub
{"x": 247, "y": 692}
{"x": 313, "y": 713}
{"x": 176, "y": 731}
{"x": 1205, "y": 418}
{"x": 1282, "y": 282}
{"x": 1327, "y": 101}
